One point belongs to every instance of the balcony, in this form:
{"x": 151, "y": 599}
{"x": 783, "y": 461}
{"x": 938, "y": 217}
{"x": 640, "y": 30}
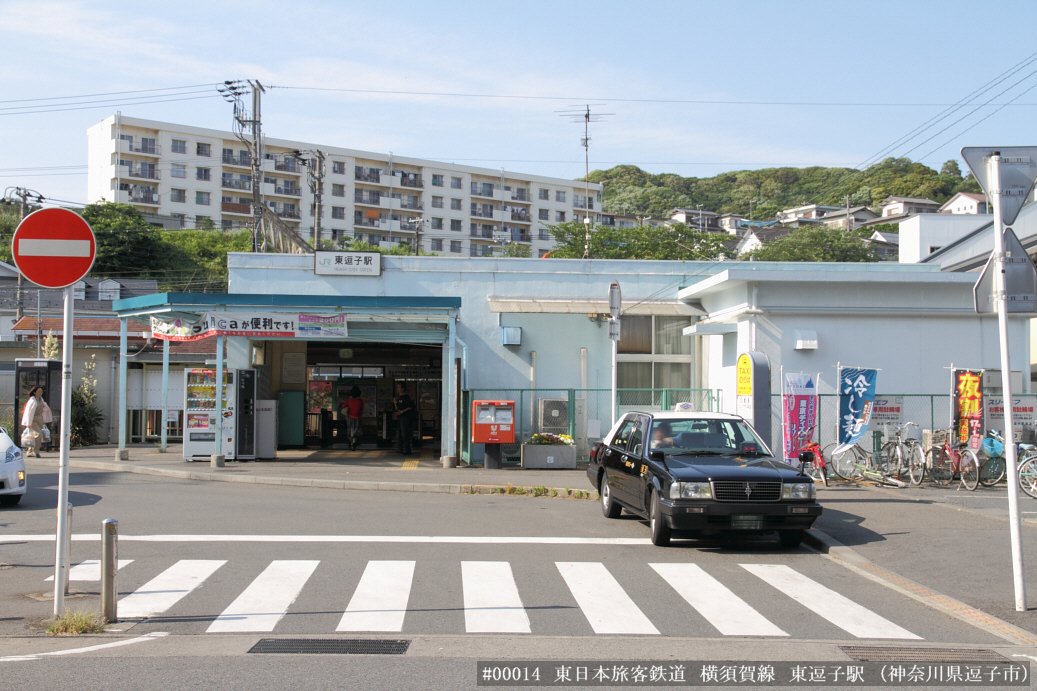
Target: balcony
{"x": 243, "y": 160}
{"x": 479, "y": 212}
{"x": 368, "y": 175}
{"x": 480, "y": 190}
{"x": 236, "y": 184}
{"x": 146, "y": 172}
{"x": 286, "y": 164}
{"x": 138, "y": 148}
{"x": 520, "y": 216}
{"x": 410, "y": 206}
{"x": 544, "y": 235}
{"x": 142, "y": 197}
{"x": 286, "y": 191}
{"x": 233, "y": 208}
{"x": 368, "y": 222}
{"x": 521, "y": 195}
{"x": 287, "y": 213}
{"x": 411, "y": 180}
{"x": 517, "y": 234}
{"x": 483, "y": 233}
{"x": 369, "y": 199}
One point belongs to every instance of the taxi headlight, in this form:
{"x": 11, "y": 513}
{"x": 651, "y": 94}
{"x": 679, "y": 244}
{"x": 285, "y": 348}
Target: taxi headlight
{"x": 13, "y": 454}
{"x": 798, "y": 490}
{"x": 691, "y": 490}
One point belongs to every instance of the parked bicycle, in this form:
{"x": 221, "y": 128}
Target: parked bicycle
{"x": 855, "y": 463}
{"x": 1028, "y": 476}
{"x": 816, "y": 466}
{"x": 903, "y": 453}
{"x": 953, "y": 458}
{"x": 992, "y": 467}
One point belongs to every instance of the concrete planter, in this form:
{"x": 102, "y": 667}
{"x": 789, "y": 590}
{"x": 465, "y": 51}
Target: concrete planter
{"x": 548, "y": 456}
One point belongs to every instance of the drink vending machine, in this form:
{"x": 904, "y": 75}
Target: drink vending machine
{"x": 238, "y": 412}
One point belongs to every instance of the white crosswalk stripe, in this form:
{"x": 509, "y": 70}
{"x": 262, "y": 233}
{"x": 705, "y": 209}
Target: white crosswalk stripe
{"x": 730, "y": 614}
{"x": 841, "y": 611}
{"x": 602, "y": 599}
{"x": 379, "y": 602}
{"x": 491, "y": 598}
{"x": 165, "y": 590}
{"x": 89, "y": 570}
{"x": 267, "y": 599}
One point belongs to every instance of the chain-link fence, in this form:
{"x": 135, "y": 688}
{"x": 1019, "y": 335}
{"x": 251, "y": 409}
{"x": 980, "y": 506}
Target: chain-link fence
{"x": 584, "y": 414}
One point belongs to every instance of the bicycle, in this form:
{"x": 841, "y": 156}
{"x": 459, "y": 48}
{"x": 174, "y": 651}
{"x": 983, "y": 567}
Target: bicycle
{"x": 817, "y": 469}
{"x": 904, "y": 454}
{"x": 855, "y": 463}
{"x": 943, "y": 462}
{"x": 1027, "y": 473}
{"x": 992, "y": 469}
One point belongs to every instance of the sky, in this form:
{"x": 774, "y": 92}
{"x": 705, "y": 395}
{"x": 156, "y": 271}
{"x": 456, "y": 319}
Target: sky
{"x": 689, "y": 87}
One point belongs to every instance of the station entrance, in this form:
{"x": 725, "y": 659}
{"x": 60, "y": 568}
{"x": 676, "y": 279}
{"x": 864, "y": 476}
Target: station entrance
{"x": 332, "y": 369}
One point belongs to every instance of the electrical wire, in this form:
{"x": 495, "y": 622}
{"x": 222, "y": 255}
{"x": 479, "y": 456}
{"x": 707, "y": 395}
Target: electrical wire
{"x": 128, "y": 100}
{"x": 110, "y": 105}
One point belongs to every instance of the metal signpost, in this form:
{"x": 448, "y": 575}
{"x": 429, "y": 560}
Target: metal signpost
{"x": 615, "y": 303}
{"x": 1009, "y": 284}
{"x": 55, "y": 248}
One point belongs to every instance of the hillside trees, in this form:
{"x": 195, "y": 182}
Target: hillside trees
{"x": 642, "y": 242}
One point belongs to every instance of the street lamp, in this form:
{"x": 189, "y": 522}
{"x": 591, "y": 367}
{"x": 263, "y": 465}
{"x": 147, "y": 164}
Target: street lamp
{"x": 418, "y": 222}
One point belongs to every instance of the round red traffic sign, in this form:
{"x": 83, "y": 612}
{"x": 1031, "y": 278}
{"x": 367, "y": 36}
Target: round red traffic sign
{"x": 54, "y": 248}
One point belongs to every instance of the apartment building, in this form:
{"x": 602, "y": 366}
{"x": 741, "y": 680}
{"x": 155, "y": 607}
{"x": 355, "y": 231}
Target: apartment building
{"x": 198, "y": 176}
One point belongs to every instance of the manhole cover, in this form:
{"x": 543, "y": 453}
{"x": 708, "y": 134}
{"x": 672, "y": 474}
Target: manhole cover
{"x": 896, "y": 653}
{"x": 331, "y": 646}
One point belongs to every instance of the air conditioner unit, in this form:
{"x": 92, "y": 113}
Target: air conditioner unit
{"x": 553, "y": 418}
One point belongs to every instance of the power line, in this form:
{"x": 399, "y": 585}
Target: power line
{"x": 109, "y": 105}
{"x": 109, "y": 93}
{"x": 624, "y": 100}
{"x": 128, "y": 100}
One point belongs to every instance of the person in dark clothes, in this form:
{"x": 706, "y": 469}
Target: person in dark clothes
{"x": 404, "y": 413}
{"x": 354, "y": 408}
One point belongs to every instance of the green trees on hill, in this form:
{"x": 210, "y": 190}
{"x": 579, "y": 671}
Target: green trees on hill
{"x": 643, "y": 242}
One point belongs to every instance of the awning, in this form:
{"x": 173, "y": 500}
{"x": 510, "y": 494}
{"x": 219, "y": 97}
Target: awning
{"x": 577, "y": 305}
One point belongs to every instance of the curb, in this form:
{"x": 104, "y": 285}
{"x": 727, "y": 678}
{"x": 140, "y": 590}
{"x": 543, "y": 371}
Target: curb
{"x": 366, "y": 485}
{"x": 832, "y": 548}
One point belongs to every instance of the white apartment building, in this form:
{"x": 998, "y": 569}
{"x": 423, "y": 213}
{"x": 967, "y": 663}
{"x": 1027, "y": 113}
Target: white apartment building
{"x": 193, "y": 174}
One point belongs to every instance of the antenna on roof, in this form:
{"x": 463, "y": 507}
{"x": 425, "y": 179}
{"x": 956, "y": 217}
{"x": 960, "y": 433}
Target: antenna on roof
{"x": 585, "y": 116}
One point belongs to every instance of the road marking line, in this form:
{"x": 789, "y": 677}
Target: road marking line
{"x": 728, "y": 613}
{"x": 167, "y": 588}
{"x": 491, "y": 598}
{"x": 89, "y": 570}
{"x": 602, "y": 599}
{"x": 88, "y": 649}
{"x": 431, "y": 539}
{"x": 267, "y": 599}
{"x": 841, "y": 611}
{"x": 380, "y": 600}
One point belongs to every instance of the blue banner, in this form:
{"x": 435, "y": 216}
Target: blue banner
{"x": 856, "y": 398}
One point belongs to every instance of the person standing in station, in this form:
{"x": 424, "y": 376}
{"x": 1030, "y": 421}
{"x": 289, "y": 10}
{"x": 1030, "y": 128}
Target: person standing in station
{"x": 34, "y": 416}
{"x": 354, "y": 407}
{"x": 404, "y": 413}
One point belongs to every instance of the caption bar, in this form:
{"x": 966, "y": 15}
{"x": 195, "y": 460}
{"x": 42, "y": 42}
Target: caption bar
{"x": 691, "y": 673}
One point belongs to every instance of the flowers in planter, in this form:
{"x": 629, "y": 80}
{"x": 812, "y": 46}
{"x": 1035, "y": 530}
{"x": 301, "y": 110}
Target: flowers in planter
{"x": 551, "y": 439}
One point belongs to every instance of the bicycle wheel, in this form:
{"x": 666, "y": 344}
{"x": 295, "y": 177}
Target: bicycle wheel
{"x": 887, "y": 460}
{"x": 992, "y": 471}
{"x": 819, "y": 471}
{"x": 968, "y": 466}
{"x": 938, "y": 465}
{"x": 845, "y": 464}
{"x": 916, "y": 463}
{"x": 1028, "y": 476}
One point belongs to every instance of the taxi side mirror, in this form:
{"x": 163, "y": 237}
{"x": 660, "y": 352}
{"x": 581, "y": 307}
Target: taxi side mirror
{"x": 656, "y": 456}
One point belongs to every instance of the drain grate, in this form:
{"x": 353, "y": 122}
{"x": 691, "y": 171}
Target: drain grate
{"x": 331, "y": 646}
{"x": 897, "y": 653}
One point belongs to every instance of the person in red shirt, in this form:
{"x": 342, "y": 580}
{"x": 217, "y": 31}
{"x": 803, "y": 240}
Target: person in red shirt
{"x": 354, "y": 408}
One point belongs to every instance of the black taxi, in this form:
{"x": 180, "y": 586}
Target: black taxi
{"x": 701, "y": 475}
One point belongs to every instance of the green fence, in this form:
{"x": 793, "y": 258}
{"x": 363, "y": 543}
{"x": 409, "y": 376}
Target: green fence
{"x": 584, "y": 414}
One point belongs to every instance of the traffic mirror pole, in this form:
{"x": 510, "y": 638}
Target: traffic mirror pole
{"x": 62, "y": 556}
{"x": 1001, "y": 300}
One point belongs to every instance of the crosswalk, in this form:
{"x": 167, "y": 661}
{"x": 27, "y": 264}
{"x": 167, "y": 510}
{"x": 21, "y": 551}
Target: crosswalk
{"x": 492, "y": 599}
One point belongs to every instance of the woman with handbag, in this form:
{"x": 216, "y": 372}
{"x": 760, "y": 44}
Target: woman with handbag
{"x": 33, "y": 419}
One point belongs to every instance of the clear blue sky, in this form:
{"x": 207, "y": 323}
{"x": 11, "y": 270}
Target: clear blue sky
{"x": 791, "y": 83}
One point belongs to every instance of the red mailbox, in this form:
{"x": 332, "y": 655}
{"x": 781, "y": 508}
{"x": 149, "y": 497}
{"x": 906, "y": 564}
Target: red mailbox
{"x": 493, "y": 422}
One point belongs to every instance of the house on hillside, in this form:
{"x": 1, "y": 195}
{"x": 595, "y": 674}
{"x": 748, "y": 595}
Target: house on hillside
{"x": 732, "y": 223}
{"x": 809, "y": 212}
{"x": 905, "y": 206}
{"x": 697, "y": 219}
{"x": 755, "y": 238}
{"x": 886, "y": 245}
{"x": 858, "y": 214}
{"x": 966, "y": 203}
{"x": 629, "y": 221}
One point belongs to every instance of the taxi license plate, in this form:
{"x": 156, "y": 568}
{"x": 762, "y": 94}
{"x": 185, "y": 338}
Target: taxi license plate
{"x": 742, "y": 522}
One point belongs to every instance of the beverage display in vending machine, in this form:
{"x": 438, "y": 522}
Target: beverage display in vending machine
{"x": 237, "y": 413}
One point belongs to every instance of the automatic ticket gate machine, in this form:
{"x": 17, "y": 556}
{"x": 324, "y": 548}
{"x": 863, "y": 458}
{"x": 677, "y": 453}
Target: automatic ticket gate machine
{"x": 493, "y": 424}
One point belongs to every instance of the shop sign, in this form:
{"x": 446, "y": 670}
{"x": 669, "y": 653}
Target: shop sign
{"x": 967, "y": 406}
{"x": 1022, "y": 412}
{"x": 888, "y": 410}
{"x": 347, "y": 263}
{"x": 856, "y": 400}
{"x": 253, "y": 325}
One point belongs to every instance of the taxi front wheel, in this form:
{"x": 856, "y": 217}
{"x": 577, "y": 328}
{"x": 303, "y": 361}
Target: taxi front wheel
{"x": 660, "y": 531}
{"x": 608, "y": 507}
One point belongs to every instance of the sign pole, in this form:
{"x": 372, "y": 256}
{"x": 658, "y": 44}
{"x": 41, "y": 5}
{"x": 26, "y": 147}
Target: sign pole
{"x": 1001, "y": 300}
{"x": 615, "y": 306}
{"x": 61, "y": 557}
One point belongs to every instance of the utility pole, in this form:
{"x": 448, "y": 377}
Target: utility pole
{"x": 244, "y": 122}
{"x": 699, "y": 207}
{"x": 315, "y": 169}
{"x": 849, "y": 224}
{"x": 587, "y": 118}
{"x": 23, "y": 211}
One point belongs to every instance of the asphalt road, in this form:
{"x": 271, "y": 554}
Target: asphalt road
{"x": 459, "y": 576}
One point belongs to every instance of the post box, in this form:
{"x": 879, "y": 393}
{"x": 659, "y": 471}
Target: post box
{"x": 493, "y": 422}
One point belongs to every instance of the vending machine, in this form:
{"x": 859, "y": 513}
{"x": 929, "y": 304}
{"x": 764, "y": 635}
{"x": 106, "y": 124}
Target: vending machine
{"x": 238, "y": 427}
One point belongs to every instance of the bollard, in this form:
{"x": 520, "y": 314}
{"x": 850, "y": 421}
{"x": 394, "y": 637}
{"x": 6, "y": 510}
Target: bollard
{"x": 68, "y": 547}
{"x": 217, "y": 460}
{"x": 109, "y": 567}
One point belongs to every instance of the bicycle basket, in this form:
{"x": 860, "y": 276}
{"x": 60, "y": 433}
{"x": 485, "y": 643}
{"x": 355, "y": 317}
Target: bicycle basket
{"x": 992, "y": 447}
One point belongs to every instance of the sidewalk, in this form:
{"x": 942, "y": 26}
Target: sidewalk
{"x": 364, "y": 469}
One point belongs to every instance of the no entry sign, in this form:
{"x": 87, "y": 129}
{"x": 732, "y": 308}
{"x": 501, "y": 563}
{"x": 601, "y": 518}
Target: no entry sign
{"x": 54, "y": 248}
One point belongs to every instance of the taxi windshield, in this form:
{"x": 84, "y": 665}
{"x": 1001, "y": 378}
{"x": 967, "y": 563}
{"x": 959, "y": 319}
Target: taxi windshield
{"x": 705, "y": 436}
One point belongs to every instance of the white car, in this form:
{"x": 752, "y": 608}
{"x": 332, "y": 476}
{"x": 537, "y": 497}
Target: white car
{"x": 12, "y": 471}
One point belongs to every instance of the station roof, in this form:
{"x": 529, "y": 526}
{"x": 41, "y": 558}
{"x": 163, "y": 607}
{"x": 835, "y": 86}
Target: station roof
{"x": 195, "y": 303}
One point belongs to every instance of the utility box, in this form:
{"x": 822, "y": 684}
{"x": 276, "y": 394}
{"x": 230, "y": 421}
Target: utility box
{"x": 493, "y": 422}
